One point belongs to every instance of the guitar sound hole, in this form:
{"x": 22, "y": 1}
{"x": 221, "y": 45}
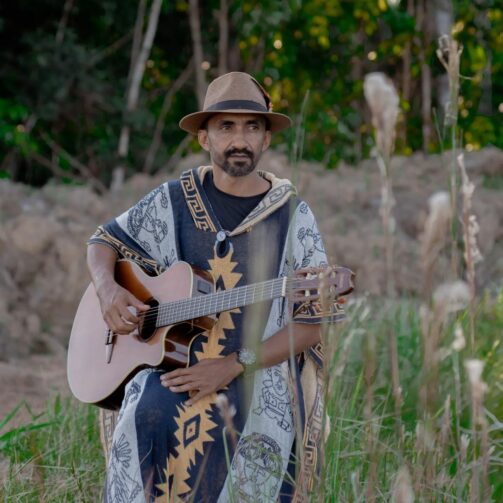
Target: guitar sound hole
{"x": 147, "y": 325}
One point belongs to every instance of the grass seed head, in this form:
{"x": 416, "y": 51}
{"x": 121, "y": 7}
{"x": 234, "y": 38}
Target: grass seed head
{"x": 402, "y": 488}
{"x": 472, "y": 253}
{"x": 226, "y": 410}
{"x": 452, "y": 297}
{"x": 383, "y": 102}
{"x": 445, "y": 423}
{"x": 474, "y": 370}
{"x": 435, "y": 227}
{"x": 425, "y": 440}
{"x": 472, "y": 231}
{"x": 459, "y": 342}
{"x": 464, "y": 443}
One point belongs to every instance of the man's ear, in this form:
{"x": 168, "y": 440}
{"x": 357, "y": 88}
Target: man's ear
{"x": 202, "y": 137}
{"x": 267, "y": 140}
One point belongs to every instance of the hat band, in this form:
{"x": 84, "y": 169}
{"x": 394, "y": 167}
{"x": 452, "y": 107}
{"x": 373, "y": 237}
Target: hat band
{"x": 236, "y": 104}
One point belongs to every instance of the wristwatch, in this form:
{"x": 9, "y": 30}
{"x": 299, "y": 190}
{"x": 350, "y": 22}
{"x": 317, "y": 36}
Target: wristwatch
{"x": 248, "y": 359}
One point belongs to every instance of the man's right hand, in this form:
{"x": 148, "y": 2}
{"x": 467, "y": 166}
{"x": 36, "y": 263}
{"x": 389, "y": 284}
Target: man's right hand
{"x": 115, "y": 302}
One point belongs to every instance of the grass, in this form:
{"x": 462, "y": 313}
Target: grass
{"x": 57, "y": 456}
{"x": 348, "y": 458}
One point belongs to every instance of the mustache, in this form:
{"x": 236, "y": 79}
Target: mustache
{"x": 237, "y": 151}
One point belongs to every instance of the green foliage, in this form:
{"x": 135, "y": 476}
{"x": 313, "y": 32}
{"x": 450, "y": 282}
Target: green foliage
{"x": 12, "y": 132}
{"x": 73, "y": 87}
{"x": 56, "y": 457}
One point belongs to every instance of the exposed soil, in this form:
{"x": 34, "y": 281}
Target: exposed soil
{"x": 43, "y": 234}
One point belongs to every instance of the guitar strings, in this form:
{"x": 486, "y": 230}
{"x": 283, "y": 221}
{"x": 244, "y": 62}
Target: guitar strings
{"x": 173, "y": 315}
{"x": 214, "y": 298}
{"x": 223, "y": 296}
{"x": 177, "y": 307}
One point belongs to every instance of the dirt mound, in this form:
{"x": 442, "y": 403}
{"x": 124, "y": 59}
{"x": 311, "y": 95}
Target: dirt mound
{"x": 43, "y": 234}
{"x": 347, "y": 204}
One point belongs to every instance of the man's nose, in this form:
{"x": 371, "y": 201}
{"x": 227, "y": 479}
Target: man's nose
{"x": 238, "y": 139}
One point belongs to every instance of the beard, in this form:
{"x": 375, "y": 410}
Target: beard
{"x": 238, "y": 167}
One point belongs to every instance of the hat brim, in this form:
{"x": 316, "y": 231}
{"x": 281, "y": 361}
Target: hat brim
{"x": 192, "y": 122}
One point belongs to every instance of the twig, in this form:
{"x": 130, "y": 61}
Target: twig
{"x": 133, "y": 92}
{"x": 137, "y": 37}
{"x": 422, "y": 20}
{"x": 56, "y": 170}
{"x": 159, "y": 126}
{"x": 195, "y": 30}
{"x": 111, "y": 49}
{"x": 173, "y": 160}
{"x": 223, "y": 39}
{"x": 449, "y": 54}
{"x": 141, "y": 59}
{"x": 60, "y": 34}
{"x": 406, "y": 70}
{"x": 75, "y": 163}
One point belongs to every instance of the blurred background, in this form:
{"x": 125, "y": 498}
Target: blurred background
{"x": 90, "y": 98}
{"x": 70, "y": 73}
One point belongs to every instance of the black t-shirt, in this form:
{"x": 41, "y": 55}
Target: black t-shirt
{"x": 230, "y": 210}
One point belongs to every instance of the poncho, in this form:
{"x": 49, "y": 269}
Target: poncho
{"x": 168, "y": 451}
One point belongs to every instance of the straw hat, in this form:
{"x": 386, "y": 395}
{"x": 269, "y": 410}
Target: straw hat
{"x": 236, "y": 93}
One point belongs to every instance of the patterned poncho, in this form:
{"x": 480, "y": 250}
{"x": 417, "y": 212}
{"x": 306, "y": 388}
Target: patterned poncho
{"x": 163, "y": 450}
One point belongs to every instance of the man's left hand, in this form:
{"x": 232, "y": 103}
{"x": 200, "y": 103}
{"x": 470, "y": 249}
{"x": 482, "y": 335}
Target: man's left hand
{"x": 205, "y": 377}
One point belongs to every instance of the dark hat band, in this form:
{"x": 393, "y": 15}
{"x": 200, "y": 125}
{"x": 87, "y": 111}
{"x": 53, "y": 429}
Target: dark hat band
{"x": 236, "y": 104}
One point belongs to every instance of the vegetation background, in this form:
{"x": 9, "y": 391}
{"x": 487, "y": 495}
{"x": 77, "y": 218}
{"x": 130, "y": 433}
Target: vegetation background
{"x": 91, "y": 94}
{"x": 70, "y": 73}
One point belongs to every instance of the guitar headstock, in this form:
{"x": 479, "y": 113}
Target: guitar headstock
{"x": 325, "y": 284}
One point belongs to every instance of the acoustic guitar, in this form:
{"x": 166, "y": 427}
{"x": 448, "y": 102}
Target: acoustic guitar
{"x": 183, "y": 303}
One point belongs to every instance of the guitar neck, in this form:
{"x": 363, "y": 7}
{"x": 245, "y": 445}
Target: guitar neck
{"x": 204, "y": 305}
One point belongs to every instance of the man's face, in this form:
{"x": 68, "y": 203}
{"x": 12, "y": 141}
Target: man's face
{"x": 235, "y": 141}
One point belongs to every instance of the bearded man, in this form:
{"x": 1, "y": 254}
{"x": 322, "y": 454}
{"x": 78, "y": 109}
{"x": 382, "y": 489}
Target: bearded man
{"x": 243, "y": 226}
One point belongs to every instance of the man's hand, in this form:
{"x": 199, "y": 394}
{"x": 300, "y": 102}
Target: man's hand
{"x": 115, "y": 302}
{"x": 205, "y": 377}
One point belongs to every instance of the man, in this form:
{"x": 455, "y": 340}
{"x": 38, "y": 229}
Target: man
{"x": 243, "y": 226}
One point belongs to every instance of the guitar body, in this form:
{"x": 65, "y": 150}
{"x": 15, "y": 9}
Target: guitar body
{"x": 101, "y": 363}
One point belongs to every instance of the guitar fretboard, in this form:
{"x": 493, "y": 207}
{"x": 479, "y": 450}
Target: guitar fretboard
{"x": 203, "y": 305}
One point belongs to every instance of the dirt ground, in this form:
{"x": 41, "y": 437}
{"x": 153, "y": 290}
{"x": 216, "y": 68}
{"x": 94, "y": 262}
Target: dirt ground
{"x": 43, "y": 234}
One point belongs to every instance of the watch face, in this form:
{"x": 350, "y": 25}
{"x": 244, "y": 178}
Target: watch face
{"x": 247, "y": 356}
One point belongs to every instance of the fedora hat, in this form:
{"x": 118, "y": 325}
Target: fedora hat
{"x": 235, "y": 93}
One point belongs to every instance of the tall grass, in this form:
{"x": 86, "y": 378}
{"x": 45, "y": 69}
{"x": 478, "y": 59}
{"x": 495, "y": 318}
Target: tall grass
{"x": 56, "y": 457}
{"x": 421, "y": 422}
{"x": 61, "y": 460}
{"x": 438, "y": 452}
